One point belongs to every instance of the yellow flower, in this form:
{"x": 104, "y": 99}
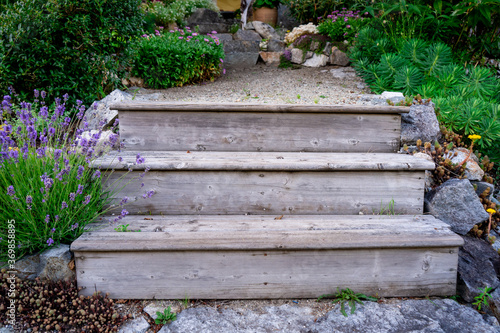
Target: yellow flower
{"x": 13, "y": 148}
{"x": 474, "y": 137}
{"x": 1, "y": 127}
{"x": 491, "y": 211}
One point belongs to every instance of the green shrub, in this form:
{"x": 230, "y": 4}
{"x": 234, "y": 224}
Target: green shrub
{"x": 342, "y": 25}
{"x": 67, "y": 46}
{"x": 48, "y": 192}
{"x": 177, "y": 58}
{"x": 177, "y": 11}
{"x": 467, "y": 98}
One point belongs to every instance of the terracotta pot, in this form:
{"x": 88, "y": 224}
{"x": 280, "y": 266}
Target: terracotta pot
{"x": 266, "y": 15}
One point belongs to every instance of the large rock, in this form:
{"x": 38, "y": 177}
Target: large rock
{"x": 103, "y": 114}
{"x": 456, "y": 203}
{"x": 297, "y": 56}
{"x": 137, "y": 325}
{"x": 271, "y": 58}
{"x": 28, "y": 267}
{"x": 338, "y": 58}
{"x": 206, "y": 21}
{"x": 416, "y": 316}
{"x": 54, "y": 264}
{"x": 478, "y": 267}
{"x": 275, "y": 45}
{"x": 472, "y": 169}
{"x": 420, "y": 123}
{"x": 316, "y": 61}
{"x": 241, "y": 53}
{"x": 246, "y": 35}
{"x": 265, "y": 30}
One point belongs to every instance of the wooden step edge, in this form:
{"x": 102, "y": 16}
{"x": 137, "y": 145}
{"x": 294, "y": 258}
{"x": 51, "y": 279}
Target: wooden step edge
{"x": 367, "y": 234}
{"x": 254, "y": 107}
{"x": 262, "y": 161}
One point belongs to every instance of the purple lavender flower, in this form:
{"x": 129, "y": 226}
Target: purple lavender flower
{"x": 50, "y": 241}
{"x": 52, "y": 131}
{"x": 117, "y": 121}
{"x": 139, "y": 159}
{"x": 123, "y": 213}
{"x": 84, "y": 142}
{"x": 120, "y": 159}
{"x": 65, "y": 96}
{"x": 66, "y": 122}
{"x": 96, "y": 174}
{"x": 53, "y": 230}
{"x": 14, "y": 153}
{"x": 79, "y": 174}
{"x": 72, "y": 196}
{"x": 36, "y": 93}
{"x": 74, "y": 226}
{"x": 148, "y": 194}
{"x": 41, "y": 152}
{"x": 57, "y": 154}
{"x": 10, "y": 190}
{"x": 123, "y": 201}
{"x": 43, "y": 94}
{"x": 44, "y": 113}
{"x": 80, "y": 189}
{"x": 57, "y": 218}
{"x": 47, "y": 218}
{"x": 29, "y": 199}
{"x": 64, "y": 205}
{"x": 87, "y": 199}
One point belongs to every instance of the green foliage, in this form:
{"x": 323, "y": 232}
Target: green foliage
{"x": 67, "y": 46}
{"x": 313, "y": 10}
{"x": 482, "y": 298}
{"x": 46, "y": 185}
{"x": 176, "y": 11}
{"x": 177, "y": 58}
{"x": 343, "y": 25}
{"x": 124, "y": 228}
{"x": 266, "y": 3}
{"x": 165, "y": 317}
{"x": 349, "y": 296}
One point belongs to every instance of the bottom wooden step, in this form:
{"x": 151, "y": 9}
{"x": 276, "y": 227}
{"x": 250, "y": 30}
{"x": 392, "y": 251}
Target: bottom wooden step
{"x": 250, "y": 257}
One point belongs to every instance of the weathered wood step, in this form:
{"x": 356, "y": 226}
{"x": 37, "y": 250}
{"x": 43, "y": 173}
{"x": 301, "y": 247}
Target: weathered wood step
{"x": 237, "y": 257}
{"x": 272, "y": 183}
{"x": 156, "y": 126}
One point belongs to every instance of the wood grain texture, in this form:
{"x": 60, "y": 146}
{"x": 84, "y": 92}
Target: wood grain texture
{"x": 263, "y": 161}
{"x": 267, "y": 232}
{"x": 268, "y": 274}
{"x": 254, "y": 107}
{"x": 274, "y": 192}
{"x": 260, "y": 131}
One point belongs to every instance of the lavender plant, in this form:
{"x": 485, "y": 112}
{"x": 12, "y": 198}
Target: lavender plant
{"x": 47, "y": 183}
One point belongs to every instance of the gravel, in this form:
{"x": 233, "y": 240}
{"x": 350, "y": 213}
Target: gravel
{"x": 272, "y": 85}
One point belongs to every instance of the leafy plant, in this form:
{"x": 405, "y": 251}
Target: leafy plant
{"x": 349, "y": 296}
{"x": 67, "y": 46}
{"x": 47, "y": 185}
{"x": 482, "y": 298}
{"x": 178, "y": 57}
{"x": 165, "y": 317}
{"x": 342, "y": 25}
{"x": 123, "y": 228}
{"x": 176, "y": 11}
{"x": 266, "y": 3}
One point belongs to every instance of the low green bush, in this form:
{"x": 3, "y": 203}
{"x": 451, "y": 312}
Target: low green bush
{"x": 342, "y": 25}
{"x": 177, "y": 57}
{"x": 78, "y": 47}
{"x": 48, "y": 191}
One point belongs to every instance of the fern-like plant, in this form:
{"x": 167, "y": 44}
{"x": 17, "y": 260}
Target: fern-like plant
{"x": 408, "y": 79}
{"x": 435, "y": 57}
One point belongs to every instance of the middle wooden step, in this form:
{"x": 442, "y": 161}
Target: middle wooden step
{"x": 270, "y": 183}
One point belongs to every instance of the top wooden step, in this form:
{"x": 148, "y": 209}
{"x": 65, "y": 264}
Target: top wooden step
{"x": 157, "y": 126}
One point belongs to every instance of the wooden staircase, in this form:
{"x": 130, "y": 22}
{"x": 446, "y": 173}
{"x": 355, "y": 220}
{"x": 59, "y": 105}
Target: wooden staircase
{"x": 267, "y": 201}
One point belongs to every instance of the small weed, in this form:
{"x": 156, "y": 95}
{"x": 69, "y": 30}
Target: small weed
{"x": 123, "y": 228}
{"x": 482, "y": 298}
{"x": 349, "y": 296}
{"x": 165, "y": 317}
{"x": 387, "y": 210}
{"x": 316, "y": 101}
{"x": 185, "y": 302}
{"x": 322, "y": 96}
{"x": 298, "y": 96}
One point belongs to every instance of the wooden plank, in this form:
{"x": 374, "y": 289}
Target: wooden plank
{"x": 274, "y": 192}
{"x": 239, "y": 232}
{"x": 268, "y": 274}
{"x": 263, "y": 161}
{"x": 255, "y": 107}
{"x": 260, "y": 131}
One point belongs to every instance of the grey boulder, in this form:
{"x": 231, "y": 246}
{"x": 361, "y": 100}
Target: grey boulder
{"x": 420, "y": 123}
{"x": 265, "y": 30}
{"x": 456, "y": 203}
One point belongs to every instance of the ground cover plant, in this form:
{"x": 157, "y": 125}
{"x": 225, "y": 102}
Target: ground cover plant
{"x": 403, "y": 49}
{"x": 47, "y": 185}
{"x": 178, "y": 57}
{"x": 78, "y": 47}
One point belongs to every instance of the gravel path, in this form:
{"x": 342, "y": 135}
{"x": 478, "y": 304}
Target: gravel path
{"x": 262, "y": 84}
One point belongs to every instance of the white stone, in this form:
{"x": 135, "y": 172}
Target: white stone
{"x": 472, "y": 169}
{"x": 137, "y": 325}
{"x": 299, "y": 31}
{"x": 265, "y": 30}
{"x": 391, "y": 95}
{"x": 297, "y": 56}
{"x": 316, "y": 61}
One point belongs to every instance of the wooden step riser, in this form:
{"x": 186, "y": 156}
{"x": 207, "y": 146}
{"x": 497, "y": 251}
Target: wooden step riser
{"x": 259, "y": 131}
{"x": 268, "y": 274}
{"x": 275, "y": 192}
